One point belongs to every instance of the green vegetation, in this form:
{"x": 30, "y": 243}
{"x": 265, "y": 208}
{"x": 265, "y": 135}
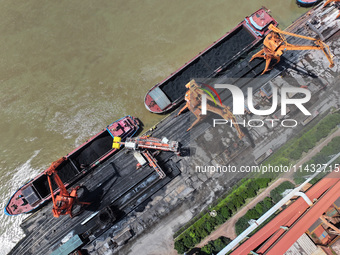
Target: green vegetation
{"x": 294, "y": 149}
{"x": 333, "y": 147}
{"x": 276, "y": 194}
{"x": 214, "y": 246}
{"x": 225, "y": 209}
{"x": 262, "y": 207}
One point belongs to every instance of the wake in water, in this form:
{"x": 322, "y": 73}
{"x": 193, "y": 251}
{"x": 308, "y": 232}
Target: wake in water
{"x": 10, "y": 231}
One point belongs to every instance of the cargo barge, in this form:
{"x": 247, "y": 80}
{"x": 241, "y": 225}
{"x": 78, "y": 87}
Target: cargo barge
{"x": 80, "y": 161}
{"x": 169, "y": 93}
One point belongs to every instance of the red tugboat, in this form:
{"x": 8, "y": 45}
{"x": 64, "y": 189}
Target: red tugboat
{"x": 169, "y": 93}
{"x": 80, "y": 161}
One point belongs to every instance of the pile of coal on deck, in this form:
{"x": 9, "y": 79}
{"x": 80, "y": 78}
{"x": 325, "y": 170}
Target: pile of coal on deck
{"x": 93, "y": 150}
{"x": 205, "y": 65}
{"x": 66, "y": 172}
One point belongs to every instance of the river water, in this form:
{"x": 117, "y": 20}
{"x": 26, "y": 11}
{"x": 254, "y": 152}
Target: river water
{"x": 69, "y": 68}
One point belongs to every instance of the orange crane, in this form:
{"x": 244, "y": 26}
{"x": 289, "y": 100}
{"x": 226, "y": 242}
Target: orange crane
{"x": 275, "y": 44}
{"x": 65, "y": 202}
{"x": 144, "y": 143}
{"x": 328, "y": 2}
{"x": 153, "y": 163}
{"x": 193, "y": 98}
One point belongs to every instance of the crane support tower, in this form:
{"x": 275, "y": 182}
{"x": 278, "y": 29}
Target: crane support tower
{"x": 193, "y": 98}
{"x": 65, "y": 202}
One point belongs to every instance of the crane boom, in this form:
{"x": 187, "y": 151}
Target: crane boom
{"x": 275, "y": 44}
{"x": 64, "y": 201}
{"x": 153, "y": 163}
{"x": 143, "y": 144}
{"x": 52, "y": 171}
{"x": 279, "y": 31}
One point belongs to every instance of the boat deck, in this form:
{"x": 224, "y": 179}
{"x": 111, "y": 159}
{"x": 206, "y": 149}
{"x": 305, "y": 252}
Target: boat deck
{"x": 206, "y": 64}
{"x": 81, "y": 160}
{"x": 217, "y": 57}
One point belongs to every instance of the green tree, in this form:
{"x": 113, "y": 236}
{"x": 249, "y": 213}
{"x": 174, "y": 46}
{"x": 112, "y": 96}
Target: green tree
{"x": 296, "y": 153}
{"x": 188, "y": 241}
{"x": 260, "y": 208}
{"x": 225, "y": 212}
{"x": 239, "y": 201}
{"x": 208, "y": 226}
{"x": 253, "y": 185}
{"x": 201, "y": 233}
{"x": 306, "y": 144}
{"x": 231, "y": 206}
{"x": 252, "y": 214}
{"x": 244, "y": 195}
{"x": 207, "y": 249}
{"x": 250, "y": 192}
{"x": 284, "y": 186}
{"x": 276, "y": 197}
{"x": 225, "y": 240}
{"x": 241, "y": 225}
{"x": 268, "y": 203}
{"x": 219, "y": 219}
{"x": 218, "y": 245}
{"x": 180, "y": 247}
{"x": 262, "y": 182}
{"x": 283, "y": 161}
{"x": 212, "y": 221}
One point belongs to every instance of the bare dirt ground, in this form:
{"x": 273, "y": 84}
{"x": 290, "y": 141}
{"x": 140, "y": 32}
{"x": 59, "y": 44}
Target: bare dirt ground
{"x": 228, "y": 228}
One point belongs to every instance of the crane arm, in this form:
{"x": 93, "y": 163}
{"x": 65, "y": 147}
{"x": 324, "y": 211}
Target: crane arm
{"x": 329, "y": 57}
{"x": 52, "y": 170}
{"x": 279, "y": 31}
{"x": 50, "y": 184}
{"x": 319, "y": 46}
{"x": 59, "y": 182}
{"x": 300, "y": 47}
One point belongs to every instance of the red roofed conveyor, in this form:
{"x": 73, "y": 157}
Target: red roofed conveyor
{"x": 277, "y": 240}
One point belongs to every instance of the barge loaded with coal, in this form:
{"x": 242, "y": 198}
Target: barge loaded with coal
{"x": 165, "y": 95}
{"x": 78, "y": 162}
